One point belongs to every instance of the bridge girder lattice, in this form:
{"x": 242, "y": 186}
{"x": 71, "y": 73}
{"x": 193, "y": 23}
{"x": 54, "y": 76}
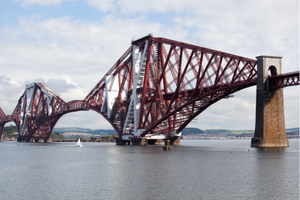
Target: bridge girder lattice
{"x": 158, "y": 86}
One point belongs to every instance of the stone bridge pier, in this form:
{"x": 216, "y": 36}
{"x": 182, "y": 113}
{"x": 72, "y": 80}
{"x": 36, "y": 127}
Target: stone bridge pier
{"x": 270, "y": 122}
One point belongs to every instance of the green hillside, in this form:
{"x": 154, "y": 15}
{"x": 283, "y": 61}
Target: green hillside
{"x": 292, "y": 130}
{"x": 228, "y": 131}
{"x": 85, "y": 130}
{"x": 191, "y": 131}
{"x": 218, "y": 131}
{"x": 56, "y": 135}
{"x": 9, "y": 130}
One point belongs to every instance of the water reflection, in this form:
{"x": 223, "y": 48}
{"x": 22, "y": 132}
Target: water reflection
{"x": 272, "y": 149}
{"x": 269, "y": 168}
{"x": 193, "y": 170}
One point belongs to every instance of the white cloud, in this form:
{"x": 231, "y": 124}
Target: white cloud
{"x": 237, "y": 112}
{"x": 10, "y": 93}
{"x": 176, "y": 6}
{"x": 291, "y": 106}
{"x": 103, "y": 5}
{"x": 27, "y": 3}
{"x": 67, "y": 55}
{"x": 84, "y": 119}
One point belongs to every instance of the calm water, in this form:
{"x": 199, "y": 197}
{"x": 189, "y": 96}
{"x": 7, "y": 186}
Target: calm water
{"x": 197, "y": 169}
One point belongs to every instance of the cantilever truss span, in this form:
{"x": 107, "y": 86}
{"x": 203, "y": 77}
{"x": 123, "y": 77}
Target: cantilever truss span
{"x": 158, "y": 86}
{"x": 154, "y": 90}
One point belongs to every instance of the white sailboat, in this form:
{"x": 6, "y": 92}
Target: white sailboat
{"x": 78, "y": 143}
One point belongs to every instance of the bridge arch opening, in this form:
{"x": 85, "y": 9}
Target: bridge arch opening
{"x": 12, "y": 130}
{"x": 237, "y": 112}
{"x": 83, "y": 119}
{"x": 272, "y": 71}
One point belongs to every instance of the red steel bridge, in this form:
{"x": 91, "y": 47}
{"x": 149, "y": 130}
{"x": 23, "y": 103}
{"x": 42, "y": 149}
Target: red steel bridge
{"x": 155, "y": 89}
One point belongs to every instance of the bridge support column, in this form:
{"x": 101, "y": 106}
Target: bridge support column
{"x": 120, "y": 141}
{"x": 48, "y": 140}
{"x": 173, "y": 141}
{"x": 139, "y": 141}
{"x": 37, "y": 140}
{"x": 24, "y": 140}
{"x": 270, "y": 120}
{"x": 1, "y": 129}
{"x": 155, "y": 142}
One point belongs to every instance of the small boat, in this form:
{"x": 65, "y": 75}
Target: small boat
{"x": 78, "y": 143}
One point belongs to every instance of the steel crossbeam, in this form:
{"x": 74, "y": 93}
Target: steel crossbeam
{"x": 284, "y": 80}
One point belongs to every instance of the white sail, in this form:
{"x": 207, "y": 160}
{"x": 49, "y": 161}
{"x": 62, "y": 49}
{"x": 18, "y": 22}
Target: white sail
{"x": 78, "y": 143}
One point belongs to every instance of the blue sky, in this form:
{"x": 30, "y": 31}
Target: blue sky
{"x": 70, "y": 44}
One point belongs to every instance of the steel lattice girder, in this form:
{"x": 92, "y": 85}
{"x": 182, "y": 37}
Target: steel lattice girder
{"x": 283, "y": 80}
{"x": 179, "y": 82}
{"x": 163, "y": 83}
{"x": 193, "y": 78}
{"x": 37, "y": 104}
{"x": 38, "y": 111}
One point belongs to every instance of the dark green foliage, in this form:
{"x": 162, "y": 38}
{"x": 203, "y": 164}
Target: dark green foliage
{"x": 9, "y": 130}
{"x": 223, "y": 131}
{"x": 107, "y": 138}
{"x": 293, "y": 129}
{"x": 191, "y": 131}
{"x": 56, "y": 135}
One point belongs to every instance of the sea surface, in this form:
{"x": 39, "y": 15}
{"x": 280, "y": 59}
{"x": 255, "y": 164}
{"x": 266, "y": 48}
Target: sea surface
{"x": 197, "y": 169}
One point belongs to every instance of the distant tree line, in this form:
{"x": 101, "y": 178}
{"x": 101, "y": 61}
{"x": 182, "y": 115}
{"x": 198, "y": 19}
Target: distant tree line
{"x": 56, "y": 135}
{"x": 191, "y": 131}
{"x": 10, "y": 130}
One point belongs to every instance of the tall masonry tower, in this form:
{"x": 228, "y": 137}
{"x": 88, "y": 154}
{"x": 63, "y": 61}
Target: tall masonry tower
{"x": 270, "y": 122}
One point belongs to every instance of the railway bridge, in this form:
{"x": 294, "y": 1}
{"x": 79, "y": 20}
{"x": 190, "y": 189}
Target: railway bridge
{"x": 157, "y": 87}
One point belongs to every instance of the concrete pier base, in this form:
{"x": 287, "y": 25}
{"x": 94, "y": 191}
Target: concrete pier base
{"x": 48, "y": 140}
{"x": 24, "y": 140}
{"x": 139, "y": 141}
{"x": 173, "y": 141}
{"x": 155, "y": 142}
{"x": 120, "y": 141}
{"x": 270, "y": 142}
{"x": 167, "y": 146}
